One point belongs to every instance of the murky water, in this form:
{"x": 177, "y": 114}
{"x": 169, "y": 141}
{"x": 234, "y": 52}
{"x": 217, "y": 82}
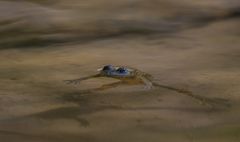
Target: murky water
{"x": 189, "y": 47}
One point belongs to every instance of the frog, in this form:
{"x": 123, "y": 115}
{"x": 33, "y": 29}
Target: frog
{"x": 131, "y": 76}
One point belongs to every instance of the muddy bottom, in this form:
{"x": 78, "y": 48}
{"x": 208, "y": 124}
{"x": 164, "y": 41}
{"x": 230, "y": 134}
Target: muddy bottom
{"x": 197, "y": 99}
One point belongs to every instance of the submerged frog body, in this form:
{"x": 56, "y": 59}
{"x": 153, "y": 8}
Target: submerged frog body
{"x": 132, "y": 76}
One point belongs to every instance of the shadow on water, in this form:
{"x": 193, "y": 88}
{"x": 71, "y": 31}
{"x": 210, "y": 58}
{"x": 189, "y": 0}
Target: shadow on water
{"x": 76, "y": 113}
{"x": 86, "y": 105}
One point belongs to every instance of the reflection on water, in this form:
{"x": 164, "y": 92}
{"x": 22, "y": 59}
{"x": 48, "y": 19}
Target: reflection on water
{"x": 190, "y": 48}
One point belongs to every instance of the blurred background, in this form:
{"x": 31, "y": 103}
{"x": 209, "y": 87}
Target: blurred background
{"x": 42, "y": 22}
{"x": 192, "y": 45}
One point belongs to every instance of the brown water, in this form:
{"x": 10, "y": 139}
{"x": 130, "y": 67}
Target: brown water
{"x": 191, "y": 45}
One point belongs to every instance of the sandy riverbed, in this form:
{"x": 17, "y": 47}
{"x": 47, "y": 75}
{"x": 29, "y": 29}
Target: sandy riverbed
{"x": 200, "y": 56}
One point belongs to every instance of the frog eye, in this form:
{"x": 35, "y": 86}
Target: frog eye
{"x": 108, "y": 68}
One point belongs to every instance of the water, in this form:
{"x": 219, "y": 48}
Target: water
{"x": 190, "y": 45}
